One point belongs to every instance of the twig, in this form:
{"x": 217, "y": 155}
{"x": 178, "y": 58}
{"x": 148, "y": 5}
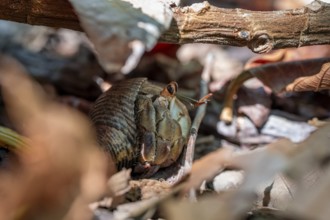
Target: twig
{"x": 189, "y": 151}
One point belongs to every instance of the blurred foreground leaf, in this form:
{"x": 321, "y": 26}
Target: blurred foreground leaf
{"x": 62, "y": 170}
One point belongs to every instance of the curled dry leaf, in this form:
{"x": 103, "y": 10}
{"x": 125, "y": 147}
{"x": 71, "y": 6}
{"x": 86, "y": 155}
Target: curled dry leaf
{"x": 304, "y": 75}
{"x": 288, "y": 55}
{"x": 63, "y": 169}
{"x": 254, "y": 67}
{"x": 278, "y": 75}
{"x": 317, "y": 82}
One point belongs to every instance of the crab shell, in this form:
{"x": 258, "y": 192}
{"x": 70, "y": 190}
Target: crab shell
{"x": 139, "y": 127}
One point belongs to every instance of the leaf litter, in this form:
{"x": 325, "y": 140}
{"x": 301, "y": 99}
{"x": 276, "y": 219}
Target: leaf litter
{"x": 258, "y": 170}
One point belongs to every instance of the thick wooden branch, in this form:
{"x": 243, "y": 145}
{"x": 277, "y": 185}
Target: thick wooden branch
{"x": 203, "y": 23}
{"x": 58, "y": 14}
{"x": 260, "y": 31}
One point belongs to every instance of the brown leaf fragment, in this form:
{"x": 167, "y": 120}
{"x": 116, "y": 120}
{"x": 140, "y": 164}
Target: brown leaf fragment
{"x": 288, "y": 55}
{"x": 213, "y": 208}
{"x": 272, "y": 57}
{"x": 265, "y": 213}
{"x": 278, "y": 75}
{"x": 314, "y": 202}
{"x": 313, "y": 153}
{"x": 278, "y": 193}
{"x": 317, "y": 82}
{"x": 208, "y": 167}
{"x": 151, "y": 188}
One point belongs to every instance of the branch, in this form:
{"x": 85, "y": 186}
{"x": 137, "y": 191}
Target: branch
{"x": 260, "y": 31}
{"x": 203, "y": 23}
{"x": 58, "y": 14}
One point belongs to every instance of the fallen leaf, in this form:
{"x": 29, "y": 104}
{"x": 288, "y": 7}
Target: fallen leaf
{"x": 281, "y": 127}
{"x": 314, "y": 202}
{"x": 213, "y": 208}
{"x": 304, "y": 75}
{"x": 63, "y": 169}
{"x": 207, "y": 168}
{"x": 135, "y": 27}
{"x": 289, "y": 55}
{"x": 254, "y": 103}
{"x": 228, "y": 180}
{"x": 317, "y": 82}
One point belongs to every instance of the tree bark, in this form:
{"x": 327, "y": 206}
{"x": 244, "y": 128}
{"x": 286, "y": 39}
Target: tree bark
{"x": 260, "y": 31}
{"x": 203, "y": 23}
{"x": 58, "y": 14}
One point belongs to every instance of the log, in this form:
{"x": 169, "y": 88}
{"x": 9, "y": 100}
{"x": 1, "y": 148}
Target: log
{"x": 203, "y": 23}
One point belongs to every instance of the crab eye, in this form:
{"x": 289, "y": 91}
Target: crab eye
{"x": 172, "y": 88}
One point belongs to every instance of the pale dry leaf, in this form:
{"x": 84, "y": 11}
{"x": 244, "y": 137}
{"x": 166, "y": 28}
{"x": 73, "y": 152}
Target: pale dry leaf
{"x": 121, "y": 30}
{"x": 262, "y": 164}
{"x": 136, "y": 210}
{"x": 278, "y": 193}
{"x": 278, "y": 126}
{"x": 228, "y": 180}
{"x": 314, "y": 202}
{"x": 313, "y": 152}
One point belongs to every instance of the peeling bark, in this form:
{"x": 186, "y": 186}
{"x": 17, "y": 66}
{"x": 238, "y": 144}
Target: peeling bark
{"x": 203, "y": 23}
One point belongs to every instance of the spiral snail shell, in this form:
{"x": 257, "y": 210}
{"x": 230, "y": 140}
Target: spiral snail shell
{"x": 141, "y": 125}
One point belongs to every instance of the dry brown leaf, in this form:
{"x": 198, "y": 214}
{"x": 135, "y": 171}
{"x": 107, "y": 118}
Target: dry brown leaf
{"x": 208, "y": 167}
{"x": 278, "y": 75}
{"x": 255, "y": 103}
{"x": 272, "y": 57}
{"x": 213, "y": 208}
{"x": 313, "y": 152}
{"x": 63, "y": 170}
{"x": 150, "y": 188}
{"x": 282, "y": 76}
{"x": 314, "y": 202}
{"x": 317, "y": 82}
{"x": 287, "y": 55}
